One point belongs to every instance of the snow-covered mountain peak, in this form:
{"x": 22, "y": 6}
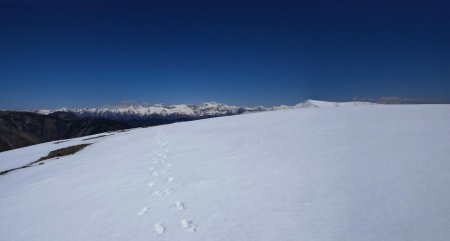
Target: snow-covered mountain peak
{"x": 320, "y": 103}
{"x": 212, "y": 103}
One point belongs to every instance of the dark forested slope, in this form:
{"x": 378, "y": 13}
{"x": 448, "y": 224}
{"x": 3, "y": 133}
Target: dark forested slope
{"x": 19, "y": 129}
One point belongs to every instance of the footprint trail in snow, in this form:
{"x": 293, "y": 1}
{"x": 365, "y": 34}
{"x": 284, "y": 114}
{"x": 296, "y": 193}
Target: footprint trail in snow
{"x": 162, "y": 186}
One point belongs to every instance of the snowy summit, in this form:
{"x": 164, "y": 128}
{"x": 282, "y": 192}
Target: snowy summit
{"x": 357, "y": 172}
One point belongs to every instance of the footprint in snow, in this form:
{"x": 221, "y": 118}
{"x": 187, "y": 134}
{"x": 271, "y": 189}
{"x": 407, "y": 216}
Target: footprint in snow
{"x": 143, "y": 211}
{"x": 178, "y": 205}
{"x": 159, "y": 228}
{"x": 166, "y": 191}
{"x": 188, "y": 225}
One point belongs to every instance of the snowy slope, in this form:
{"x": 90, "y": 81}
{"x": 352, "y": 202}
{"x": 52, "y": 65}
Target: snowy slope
{"x": 369, "y": 172}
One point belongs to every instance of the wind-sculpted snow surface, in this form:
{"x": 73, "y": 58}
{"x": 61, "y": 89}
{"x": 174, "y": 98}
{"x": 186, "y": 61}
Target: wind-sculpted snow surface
{"x": 358, "y": 172}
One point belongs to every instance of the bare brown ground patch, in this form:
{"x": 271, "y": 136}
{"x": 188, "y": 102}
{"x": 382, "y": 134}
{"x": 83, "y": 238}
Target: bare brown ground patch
{"x": 53, "y": 154}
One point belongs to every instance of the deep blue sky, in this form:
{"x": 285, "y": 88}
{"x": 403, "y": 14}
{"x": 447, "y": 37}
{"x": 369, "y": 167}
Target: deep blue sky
{"x": 90, "y": 53}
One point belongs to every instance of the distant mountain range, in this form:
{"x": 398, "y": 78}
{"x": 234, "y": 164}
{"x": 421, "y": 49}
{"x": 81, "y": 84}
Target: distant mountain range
{"x": 18, "y": 129}
{"x": 142, "y": 115}
{"x": 204, "y": 110}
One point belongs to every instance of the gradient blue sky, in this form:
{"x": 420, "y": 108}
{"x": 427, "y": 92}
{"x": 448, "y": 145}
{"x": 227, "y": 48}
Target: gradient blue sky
{"x": 91, "y": 53}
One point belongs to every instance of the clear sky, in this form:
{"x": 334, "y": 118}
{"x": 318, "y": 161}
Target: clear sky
{"x": 90, "y": 53}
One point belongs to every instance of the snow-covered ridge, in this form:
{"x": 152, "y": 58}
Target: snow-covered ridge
{"x": 319, "y": 103}
{"x": 372, "y": 172}
{"x": 208, "y": 109}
